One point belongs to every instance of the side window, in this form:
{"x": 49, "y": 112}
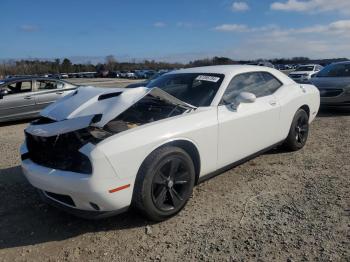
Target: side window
{"x": 18, "y": 87}
{"x": 271, "y": 84}
{"x": 259, "y": 83}
{"x": 48, "y": 85}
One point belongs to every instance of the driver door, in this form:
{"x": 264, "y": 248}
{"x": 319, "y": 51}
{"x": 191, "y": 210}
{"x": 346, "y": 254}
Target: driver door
{"x": 252, "y": 126}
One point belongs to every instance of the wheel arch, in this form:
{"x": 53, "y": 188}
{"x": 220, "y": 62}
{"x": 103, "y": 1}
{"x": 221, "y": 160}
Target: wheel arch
{"x": 189, "y": 147}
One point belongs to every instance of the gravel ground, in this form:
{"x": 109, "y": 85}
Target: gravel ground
{"x": 278, "y": 207}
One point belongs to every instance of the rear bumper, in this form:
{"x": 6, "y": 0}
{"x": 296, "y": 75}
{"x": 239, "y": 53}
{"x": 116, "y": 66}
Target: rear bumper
{"x": 88, "y": 193}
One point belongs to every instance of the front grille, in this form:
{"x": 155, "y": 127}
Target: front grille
{"x": 60, "y": 152}
{"x": 330, "y": 92}
{"x": 61, "y": 198}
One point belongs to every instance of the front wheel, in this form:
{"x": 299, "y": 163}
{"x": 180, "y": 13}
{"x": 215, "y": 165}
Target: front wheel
{"x": 298, "y": 132}
{"x": 164, "y": 183}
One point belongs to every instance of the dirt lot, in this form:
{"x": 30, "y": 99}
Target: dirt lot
{"x": 278, "y": 207}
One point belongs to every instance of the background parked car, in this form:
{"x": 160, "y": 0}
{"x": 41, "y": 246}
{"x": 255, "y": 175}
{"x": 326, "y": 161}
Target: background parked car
{"x": 282, "y": 67}
{"x": 333, "y": 81}
{"x": 123, "y": 74}
{"x": 140, "y": 74}
{"x": 144, "y": 74}
{"x": 64, "y": 75}
{"x": 147, "y": 82}
{"x": 262, "y": 63}
{"x": 113, "y": 74}
{"x": 131, "y": 75}
{"x": 25, "y": 97}
{"x": 304, "y": 73}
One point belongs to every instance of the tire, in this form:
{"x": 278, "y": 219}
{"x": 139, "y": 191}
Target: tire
{"x": 164, "y": 183}
{"x": 298, "y": 132}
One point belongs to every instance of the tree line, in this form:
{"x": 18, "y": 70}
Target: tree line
{"x": 39, "y": 67}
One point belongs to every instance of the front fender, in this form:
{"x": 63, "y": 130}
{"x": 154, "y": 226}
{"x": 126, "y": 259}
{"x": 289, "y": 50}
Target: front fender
{"x": 126, "y": 151}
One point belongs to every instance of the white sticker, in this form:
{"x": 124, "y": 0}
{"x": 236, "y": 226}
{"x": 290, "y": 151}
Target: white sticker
{"x": 214, "y": 79}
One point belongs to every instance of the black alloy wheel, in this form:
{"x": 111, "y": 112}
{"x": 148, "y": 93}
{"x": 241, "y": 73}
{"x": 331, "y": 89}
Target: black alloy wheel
{"x": 302, "y": 129}
{"x": 298, "y": 132}
{"x": 171, "y": 184}
{"x": 164, "y": 183}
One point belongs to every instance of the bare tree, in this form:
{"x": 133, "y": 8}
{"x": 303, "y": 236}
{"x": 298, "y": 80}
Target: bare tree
{"x": 111, "y": 62}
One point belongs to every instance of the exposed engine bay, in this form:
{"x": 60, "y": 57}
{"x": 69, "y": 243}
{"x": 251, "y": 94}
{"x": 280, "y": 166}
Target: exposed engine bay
{"x": 147, "y": 110}
{"x": 55, "y": 142}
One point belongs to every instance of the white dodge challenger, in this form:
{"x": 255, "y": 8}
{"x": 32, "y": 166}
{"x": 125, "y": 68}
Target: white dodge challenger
{"x": 98, "y": 151}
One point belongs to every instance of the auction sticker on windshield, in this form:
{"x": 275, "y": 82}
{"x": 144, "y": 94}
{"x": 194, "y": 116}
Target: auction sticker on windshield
{"x": 214, "y": 79}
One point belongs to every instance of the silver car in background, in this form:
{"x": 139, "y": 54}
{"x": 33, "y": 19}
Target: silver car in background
{"x": 25, "y": 97}
{"x": 303, "y": 73}
{"x": 333, "y": 83}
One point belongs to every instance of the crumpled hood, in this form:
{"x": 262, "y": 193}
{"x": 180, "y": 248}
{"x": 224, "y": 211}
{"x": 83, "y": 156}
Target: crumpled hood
{"x": 88, "y": 100}
{"x": 79, "y": 109}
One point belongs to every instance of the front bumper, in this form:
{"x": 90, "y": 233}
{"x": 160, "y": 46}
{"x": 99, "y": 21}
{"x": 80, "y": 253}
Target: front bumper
{"x": 78, "y": 212}
{"x": 91, "y": 193}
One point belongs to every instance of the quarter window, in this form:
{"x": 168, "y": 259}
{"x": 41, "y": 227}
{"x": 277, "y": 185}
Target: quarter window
{"x": 259, "y": 83}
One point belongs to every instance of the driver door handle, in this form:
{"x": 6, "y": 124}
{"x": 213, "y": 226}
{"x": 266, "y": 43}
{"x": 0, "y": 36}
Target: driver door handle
{"x": 28, "y": 97}
{"x": 59, "y": 92}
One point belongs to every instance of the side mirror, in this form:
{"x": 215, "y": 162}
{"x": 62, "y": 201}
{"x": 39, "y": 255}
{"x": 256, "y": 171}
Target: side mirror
{"x": 244, "y": 97}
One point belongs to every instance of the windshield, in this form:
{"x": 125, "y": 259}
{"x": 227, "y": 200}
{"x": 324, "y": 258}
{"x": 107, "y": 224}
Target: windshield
{"x": 335, "y": 70}
{"x": 305, "y": 68}
{"x": 193, "y": 88}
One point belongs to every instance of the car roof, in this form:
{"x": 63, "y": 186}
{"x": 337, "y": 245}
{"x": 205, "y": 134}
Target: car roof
{"x": 231, "y": 70}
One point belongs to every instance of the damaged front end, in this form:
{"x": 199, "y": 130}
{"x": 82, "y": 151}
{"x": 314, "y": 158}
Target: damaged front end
{"x": 91, "y": 115}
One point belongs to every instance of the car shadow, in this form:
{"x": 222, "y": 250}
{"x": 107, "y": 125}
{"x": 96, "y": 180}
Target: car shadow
{"x": 26, "y": 220}
{"x": 277, "y": 151}
{"x": 16, "y": 122}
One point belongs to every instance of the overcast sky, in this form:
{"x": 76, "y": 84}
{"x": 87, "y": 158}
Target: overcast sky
{"x": 178, "y": 30}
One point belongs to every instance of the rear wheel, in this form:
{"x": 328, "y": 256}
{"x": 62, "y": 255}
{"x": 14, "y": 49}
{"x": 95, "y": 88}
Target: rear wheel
{"x": 164, "y": 183}
{"x": 298, "y": 132}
